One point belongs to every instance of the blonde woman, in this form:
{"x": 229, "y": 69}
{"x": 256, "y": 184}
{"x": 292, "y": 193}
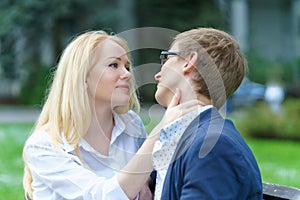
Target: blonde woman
{"x": 85, "y": 144}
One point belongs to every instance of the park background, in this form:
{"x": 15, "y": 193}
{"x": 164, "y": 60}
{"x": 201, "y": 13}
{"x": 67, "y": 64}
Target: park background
{"x": 33, "y": 34}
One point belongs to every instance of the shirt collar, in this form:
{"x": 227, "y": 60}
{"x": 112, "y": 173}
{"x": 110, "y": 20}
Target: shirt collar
{"x": 117, "y": 131}
{"x": 65, "y": 145}
{"x": 165, "y": 135}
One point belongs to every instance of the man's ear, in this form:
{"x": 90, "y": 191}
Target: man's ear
{"x": 192, "y": 62}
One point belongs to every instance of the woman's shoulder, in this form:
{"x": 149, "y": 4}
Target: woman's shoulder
{"x": 129, "y": 115}
{"x": 133, "y": 123}
{"x": 39, "y": 138}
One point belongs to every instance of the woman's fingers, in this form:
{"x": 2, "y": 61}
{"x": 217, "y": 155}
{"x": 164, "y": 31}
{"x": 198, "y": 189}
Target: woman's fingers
{"x": 176, "y": 101}
{"x": 186, "y": 107}
{"x": 176, "y": 109}
{"x": 176, "y": 98}
{"x": 192, "y": 103}
{"x": 190, "y": 108}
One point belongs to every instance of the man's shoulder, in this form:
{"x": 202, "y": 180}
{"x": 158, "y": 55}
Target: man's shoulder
{"x": 214, "y": 136}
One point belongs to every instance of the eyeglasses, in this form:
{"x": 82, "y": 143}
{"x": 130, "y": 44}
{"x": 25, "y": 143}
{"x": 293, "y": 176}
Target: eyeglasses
{"x": 164, "y": 56}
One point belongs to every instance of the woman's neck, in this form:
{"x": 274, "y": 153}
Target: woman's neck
{"x": 99, "y": 132}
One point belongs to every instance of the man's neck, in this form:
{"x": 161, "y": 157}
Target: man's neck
{"x": 188, "y": 93}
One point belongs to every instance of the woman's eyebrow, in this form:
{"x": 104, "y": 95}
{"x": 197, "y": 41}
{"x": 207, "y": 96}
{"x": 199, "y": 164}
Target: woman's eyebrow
{"x": 115, "y": 57}
{"x": 118, "y": 58}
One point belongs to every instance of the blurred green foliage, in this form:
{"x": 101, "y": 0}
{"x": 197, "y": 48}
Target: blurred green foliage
{"x": 35, "y": 89}
{"x": 179, "y": 15}
{"x": 25, "y": 25}
{"x": 260, "y": 121}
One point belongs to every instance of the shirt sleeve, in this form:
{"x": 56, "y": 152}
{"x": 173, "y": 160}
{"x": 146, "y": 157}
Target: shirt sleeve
{"x": 66, "y": 177}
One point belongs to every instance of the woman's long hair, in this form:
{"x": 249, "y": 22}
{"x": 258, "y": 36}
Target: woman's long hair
{"x": 67, "y": 107}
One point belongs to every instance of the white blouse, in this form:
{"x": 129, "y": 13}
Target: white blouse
{"x": 61, "y": 174}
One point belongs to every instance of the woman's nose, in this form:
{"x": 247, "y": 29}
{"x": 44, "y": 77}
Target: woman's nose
{"x": 126, "y": 74}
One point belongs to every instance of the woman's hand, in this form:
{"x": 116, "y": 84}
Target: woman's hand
{"x": 176, "y": 110}
{"x": 145, "y": 193}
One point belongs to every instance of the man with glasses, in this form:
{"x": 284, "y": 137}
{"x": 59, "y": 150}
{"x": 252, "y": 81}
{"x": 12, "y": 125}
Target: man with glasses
{"x": 202, "y": 155}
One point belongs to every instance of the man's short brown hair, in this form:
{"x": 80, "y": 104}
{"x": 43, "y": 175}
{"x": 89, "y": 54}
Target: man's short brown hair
{"x": 221, "y": 65}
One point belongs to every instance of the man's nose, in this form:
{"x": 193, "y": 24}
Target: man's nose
{"x": 157, "y": 76}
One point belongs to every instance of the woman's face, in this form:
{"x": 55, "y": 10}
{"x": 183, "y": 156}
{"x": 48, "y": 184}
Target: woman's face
{"x": 108, "y": 81}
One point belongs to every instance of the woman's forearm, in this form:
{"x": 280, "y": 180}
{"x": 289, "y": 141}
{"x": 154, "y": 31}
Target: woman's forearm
{"x": 137, "y": 171}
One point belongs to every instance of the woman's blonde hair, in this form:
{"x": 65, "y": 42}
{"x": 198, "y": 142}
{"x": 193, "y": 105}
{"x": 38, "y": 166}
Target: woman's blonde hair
{"x": 67, "y": 108}
{"x": 221, "y": 66}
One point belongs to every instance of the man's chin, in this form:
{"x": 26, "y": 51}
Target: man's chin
{"x": 161, "y": 99}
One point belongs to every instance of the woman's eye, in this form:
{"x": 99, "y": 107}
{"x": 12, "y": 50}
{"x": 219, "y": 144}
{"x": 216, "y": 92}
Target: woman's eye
{"x": 115, "y": 65}
{"x": 127, "y": 67}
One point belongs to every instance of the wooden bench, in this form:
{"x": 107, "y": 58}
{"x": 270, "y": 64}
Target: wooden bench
{"x": 274, "y": 192}
{"x": 280, "y": 192}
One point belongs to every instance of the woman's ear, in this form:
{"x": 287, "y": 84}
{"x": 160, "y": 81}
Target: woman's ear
{"x": 192, "y": 62}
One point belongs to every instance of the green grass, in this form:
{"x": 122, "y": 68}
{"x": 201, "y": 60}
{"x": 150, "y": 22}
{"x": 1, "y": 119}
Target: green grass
{"x": 12, "y": 138}
{"x": 278, "y": 160}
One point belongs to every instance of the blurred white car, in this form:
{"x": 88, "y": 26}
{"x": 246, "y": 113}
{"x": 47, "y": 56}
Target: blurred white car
{"x": 246, "y": 95}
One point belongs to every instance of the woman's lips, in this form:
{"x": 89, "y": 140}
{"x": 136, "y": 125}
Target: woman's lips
{"x": 123, "y": 87}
